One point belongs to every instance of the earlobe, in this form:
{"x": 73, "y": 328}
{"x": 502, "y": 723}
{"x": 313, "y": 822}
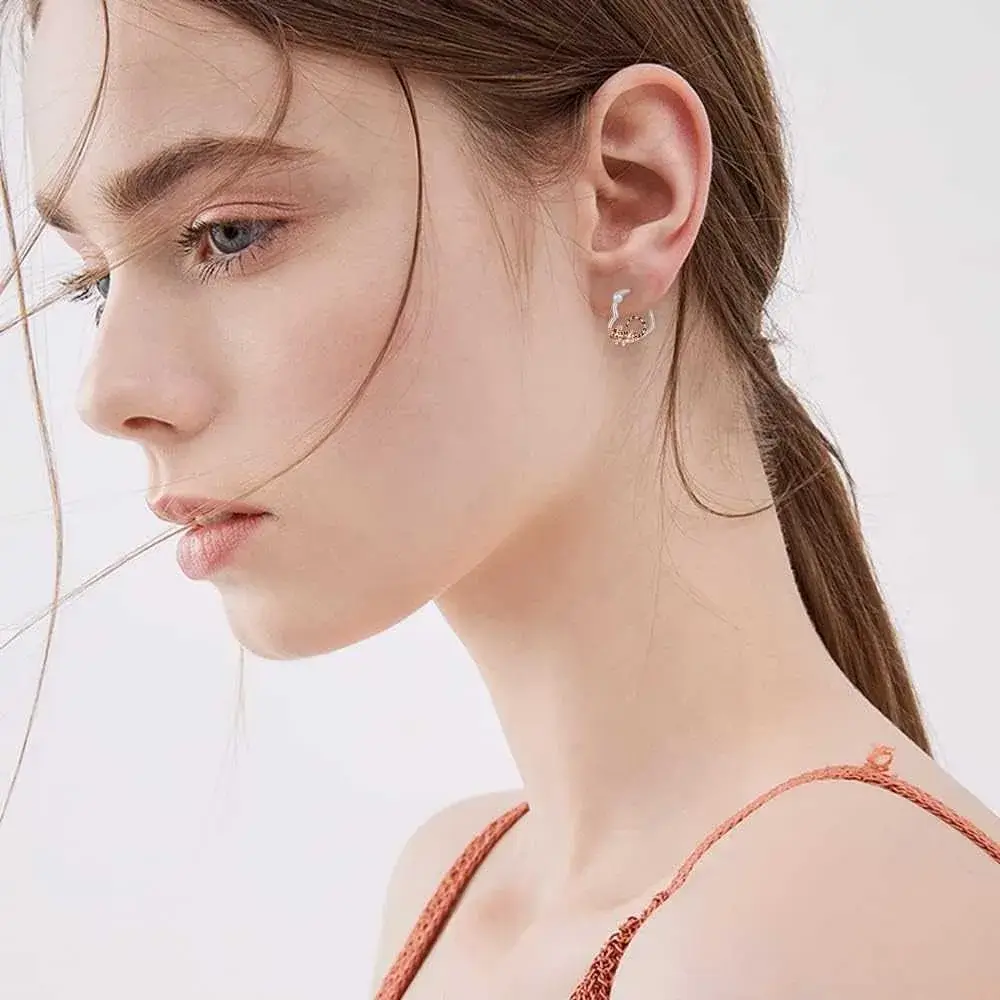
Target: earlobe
{"x": 645, "y": 184}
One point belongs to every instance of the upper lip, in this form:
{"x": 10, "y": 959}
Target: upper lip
{"x": 186, "y": 510}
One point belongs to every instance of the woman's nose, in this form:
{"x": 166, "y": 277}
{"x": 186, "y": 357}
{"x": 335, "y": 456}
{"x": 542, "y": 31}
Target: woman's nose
{"x": 144, "y": 381}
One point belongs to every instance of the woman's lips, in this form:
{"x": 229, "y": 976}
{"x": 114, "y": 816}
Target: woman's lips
{"x": 204, "y": 549}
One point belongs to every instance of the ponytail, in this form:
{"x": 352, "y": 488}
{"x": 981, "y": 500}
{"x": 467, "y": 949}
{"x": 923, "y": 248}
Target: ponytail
{"x": 832, "y": 566}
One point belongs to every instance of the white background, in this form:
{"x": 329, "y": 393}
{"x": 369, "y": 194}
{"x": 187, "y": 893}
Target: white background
{"x": 153, "y": 849}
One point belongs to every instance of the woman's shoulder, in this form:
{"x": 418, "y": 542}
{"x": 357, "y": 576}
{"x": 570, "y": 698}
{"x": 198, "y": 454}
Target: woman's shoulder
{"x": 428, "y": 854}
{"x": 832, "y": 889}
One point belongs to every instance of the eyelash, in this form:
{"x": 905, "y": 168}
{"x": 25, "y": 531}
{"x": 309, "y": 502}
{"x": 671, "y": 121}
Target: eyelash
{"x": 82, "y": 286}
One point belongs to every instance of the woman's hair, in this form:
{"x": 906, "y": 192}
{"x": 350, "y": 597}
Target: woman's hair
{"x": 520, "y": 75}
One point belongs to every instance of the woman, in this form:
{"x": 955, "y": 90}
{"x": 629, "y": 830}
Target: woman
{"x": 576, "y": 440}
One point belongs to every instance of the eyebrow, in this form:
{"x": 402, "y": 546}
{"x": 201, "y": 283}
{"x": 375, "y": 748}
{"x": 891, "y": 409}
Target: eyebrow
{"x": 132, "y": 189}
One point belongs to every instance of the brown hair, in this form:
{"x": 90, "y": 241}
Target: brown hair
{"x": 520, "y": 75}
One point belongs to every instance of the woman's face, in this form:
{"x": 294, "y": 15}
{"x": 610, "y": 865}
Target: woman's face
{"x": 481, "y": 415}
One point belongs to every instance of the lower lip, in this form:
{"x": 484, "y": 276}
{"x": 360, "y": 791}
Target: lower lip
{"x": 204, "y": 549}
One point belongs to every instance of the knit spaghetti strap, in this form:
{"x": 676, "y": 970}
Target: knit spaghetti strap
{"x": 596, "y": 984}
{"x": 435, "y": 914}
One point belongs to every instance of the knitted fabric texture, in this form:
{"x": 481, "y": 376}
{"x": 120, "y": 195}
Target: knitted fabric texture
{"x": 597, "y": 982}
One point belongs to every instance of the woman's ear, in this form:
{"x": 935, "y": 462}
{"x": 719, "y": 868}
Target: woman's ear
{"x": 643, "y": 190}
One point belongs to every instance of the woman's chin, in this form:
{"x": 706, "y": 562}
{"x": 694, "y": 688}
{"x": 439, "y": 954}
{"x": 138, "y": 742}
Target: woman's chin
{"x": 264, "y": 627}
{"x": 294, "y": 627}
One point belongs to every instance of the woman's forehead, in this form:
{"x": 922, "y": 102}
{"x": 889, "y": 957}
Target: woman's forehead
{"x": 169, "y": 81}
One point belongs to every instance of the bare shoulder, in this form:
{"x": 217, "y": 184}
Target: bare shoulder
{"x": 424, "y": 860}
{"x": 833, "y": 889}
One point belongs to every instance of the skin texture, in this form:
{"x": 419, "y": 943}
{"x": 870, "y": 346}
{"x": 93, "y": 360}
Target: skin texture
{"x": 652, "y": 665}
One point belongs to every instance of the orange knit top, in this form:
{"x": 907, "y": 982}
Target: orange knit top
{"x": 596, "y": 983}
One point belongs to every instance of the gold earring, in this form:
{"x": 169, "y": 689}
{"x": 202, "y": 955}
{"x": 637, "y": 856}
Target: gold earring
{"x": 623, "y": 331}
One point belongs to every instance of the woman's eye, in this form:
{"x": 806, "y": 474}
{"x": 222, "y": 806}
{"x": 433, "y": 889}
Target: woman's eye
{"x": 226, "y": 236}
{"x": 227, "y": 245}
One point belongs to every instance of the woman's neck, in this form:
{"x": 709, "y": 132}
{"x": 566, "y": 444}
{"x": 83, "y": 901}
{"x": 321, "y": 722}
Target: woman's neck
{"x": 640, "y": 651}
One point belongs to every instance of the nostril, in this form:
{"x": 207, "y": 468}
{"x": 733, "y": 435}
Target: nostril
{"x": 139, "y": 423}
